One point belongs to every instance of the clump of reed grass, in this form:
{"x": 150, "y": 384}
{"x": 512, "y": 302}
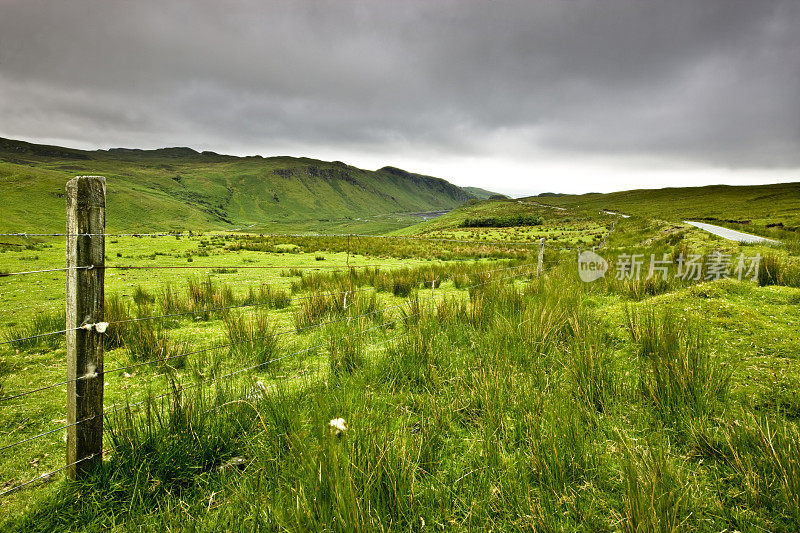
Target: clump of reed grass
{"x": 321, "y": 306}
{"x": 252, "y": 336}
{"x": 345, "y": 349}
{"x": 402, "y": 284}
{"x": 412, "y": 361}
{"x": 765, "y": 455}
{"x": 117, "y": 314}
{"x": 776, "y": 270}
{"x": 267, "y": 295}
{"x": 30, "y": 332}
{"x": 150, "y": 340}
{"x": 653, "y": 497}
{"x": 205, "y": 294}
{"x": 142, "y": 297}
{"x": 591, "y": 367}
{"x": 678, "y": 375}
{"x": 171, "y": 301}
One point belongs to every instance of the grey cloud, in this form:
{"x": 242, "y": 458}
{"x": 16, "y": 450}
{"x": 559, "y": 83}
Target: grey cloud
{"x": 717, "y": 81}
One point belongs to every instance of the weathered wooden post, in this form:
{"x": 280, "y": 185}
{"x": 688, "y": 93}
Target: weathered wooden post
{"x": 86, "y": 222}
{"x": 540, "y": 264}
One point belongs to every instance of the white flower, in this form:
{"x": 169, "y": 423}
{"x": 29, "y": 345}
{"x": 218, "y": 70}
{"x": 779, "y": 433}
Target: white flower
{"x": 338, "y": 425}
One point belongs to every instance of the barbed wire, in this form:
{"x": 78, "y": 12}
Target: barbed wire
{"x": 213, "y": 379}
{"x": 40, "y": 389}
{"x": 284, "y": 332}
{"x": 246, "y": 267}
{"x": 45, "y": 476}
{"x": 65, "y": 269}
{"x": 269, "y": 235}
{"x": 45, "y": 433}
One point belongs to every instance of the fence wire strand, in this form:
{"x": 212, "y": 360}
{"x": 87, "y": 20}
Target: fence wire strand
{"x": 227, "y": 345}
{"x": 45, "y": 433}
{"x": 65, "y": 269}
{"x": 305, "y": 350}
{"x": 45, "y": 476}
{"x": 271, "y": 236}
{"x": 215, "y": 379}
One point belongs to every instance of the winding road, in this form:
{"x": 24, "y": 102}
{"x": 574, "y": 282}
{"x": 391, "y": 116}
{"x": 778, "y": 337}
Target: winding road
{"x": 731, "y": 235}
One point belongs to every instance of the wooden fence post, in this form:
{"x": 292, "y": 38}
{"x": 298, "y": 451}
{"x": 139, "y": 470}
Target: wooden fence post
{"x": 540, "y": 264}
{"x": 86, "y": 221}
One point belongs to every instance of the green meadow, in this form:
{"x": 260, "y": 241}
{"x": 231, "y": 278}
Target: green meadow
{"x": 422, "y": 379}
{"x": 766, "y": 210}
{"x": 474, "y": 394}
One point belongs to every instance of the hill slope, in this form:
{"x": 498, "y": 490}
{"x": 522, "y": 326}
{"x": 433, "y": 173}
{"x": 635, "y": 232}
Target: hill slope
{"x": 756, "y": 208}
{"x": 482, "y": 194}
{"x": 179, "y": 188}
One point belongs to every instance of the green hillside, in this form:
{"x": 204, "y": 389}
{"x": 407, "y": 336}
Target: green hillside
{"x": 179, "y": 189}
{"x": 772, "y": 210}
{"x": 769, "y": 210}
{"x": 483, "y": 194}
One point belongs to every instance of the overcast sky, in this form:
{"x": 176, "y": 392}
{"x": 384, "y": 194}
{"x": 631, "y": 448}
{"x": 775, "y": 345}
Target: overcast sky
{"x": 519, "y": 97}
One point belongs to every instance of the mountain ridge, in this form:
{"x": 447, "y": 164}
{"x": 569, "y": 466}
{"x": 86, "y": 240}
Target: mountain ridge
{"x": 175, "y": 187}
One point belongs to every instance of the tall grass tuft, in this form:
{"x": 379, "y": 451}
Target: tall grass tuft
{"x": 776, "y": 270}
{"x": 321, "y": 306}
{"x": 142, "y": 297}
{"x": 765, "y": 456}
{"x": 653, "y": 496}
{"x": 677, "y": 375}
{"x": 150, "y": 340}
{"x": 116, "y": 312}
{"x": 42, "y": 322}
{"x": 591, "y": 367}
{"x": 205, "y": 294}
{"x": 345, "y": 349}
{"x": 252, "y": 336}
{"x": 412, "y": 361}
{"x": 171, "y": 301}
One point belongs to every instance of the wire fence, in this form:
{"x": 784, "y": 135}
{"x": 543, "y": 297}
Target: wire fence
{"x": 9, "y": 400}
{"x": 211, "y": 310}
{"x": 162, "y": 360}
{"x": 214, "y": 379}
{"x": 233, "y": 235}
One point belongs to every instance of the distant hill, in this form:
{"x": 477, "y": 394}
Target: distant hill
{"x": 769, "y": 210}
{"x": 758, "y": 208}
{"x": 482, "y": 194}
{"x": 180, "y": 188}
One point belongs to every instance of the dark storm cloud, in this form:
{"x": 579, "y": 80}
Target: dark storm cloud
{"x": 714, "y": 81}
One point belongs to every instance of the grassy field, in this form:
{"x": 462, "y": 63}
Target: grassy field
{"x": 767, "y": 210}
{"x": 560, "y": 228}
{"x": 473, "y": 394}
